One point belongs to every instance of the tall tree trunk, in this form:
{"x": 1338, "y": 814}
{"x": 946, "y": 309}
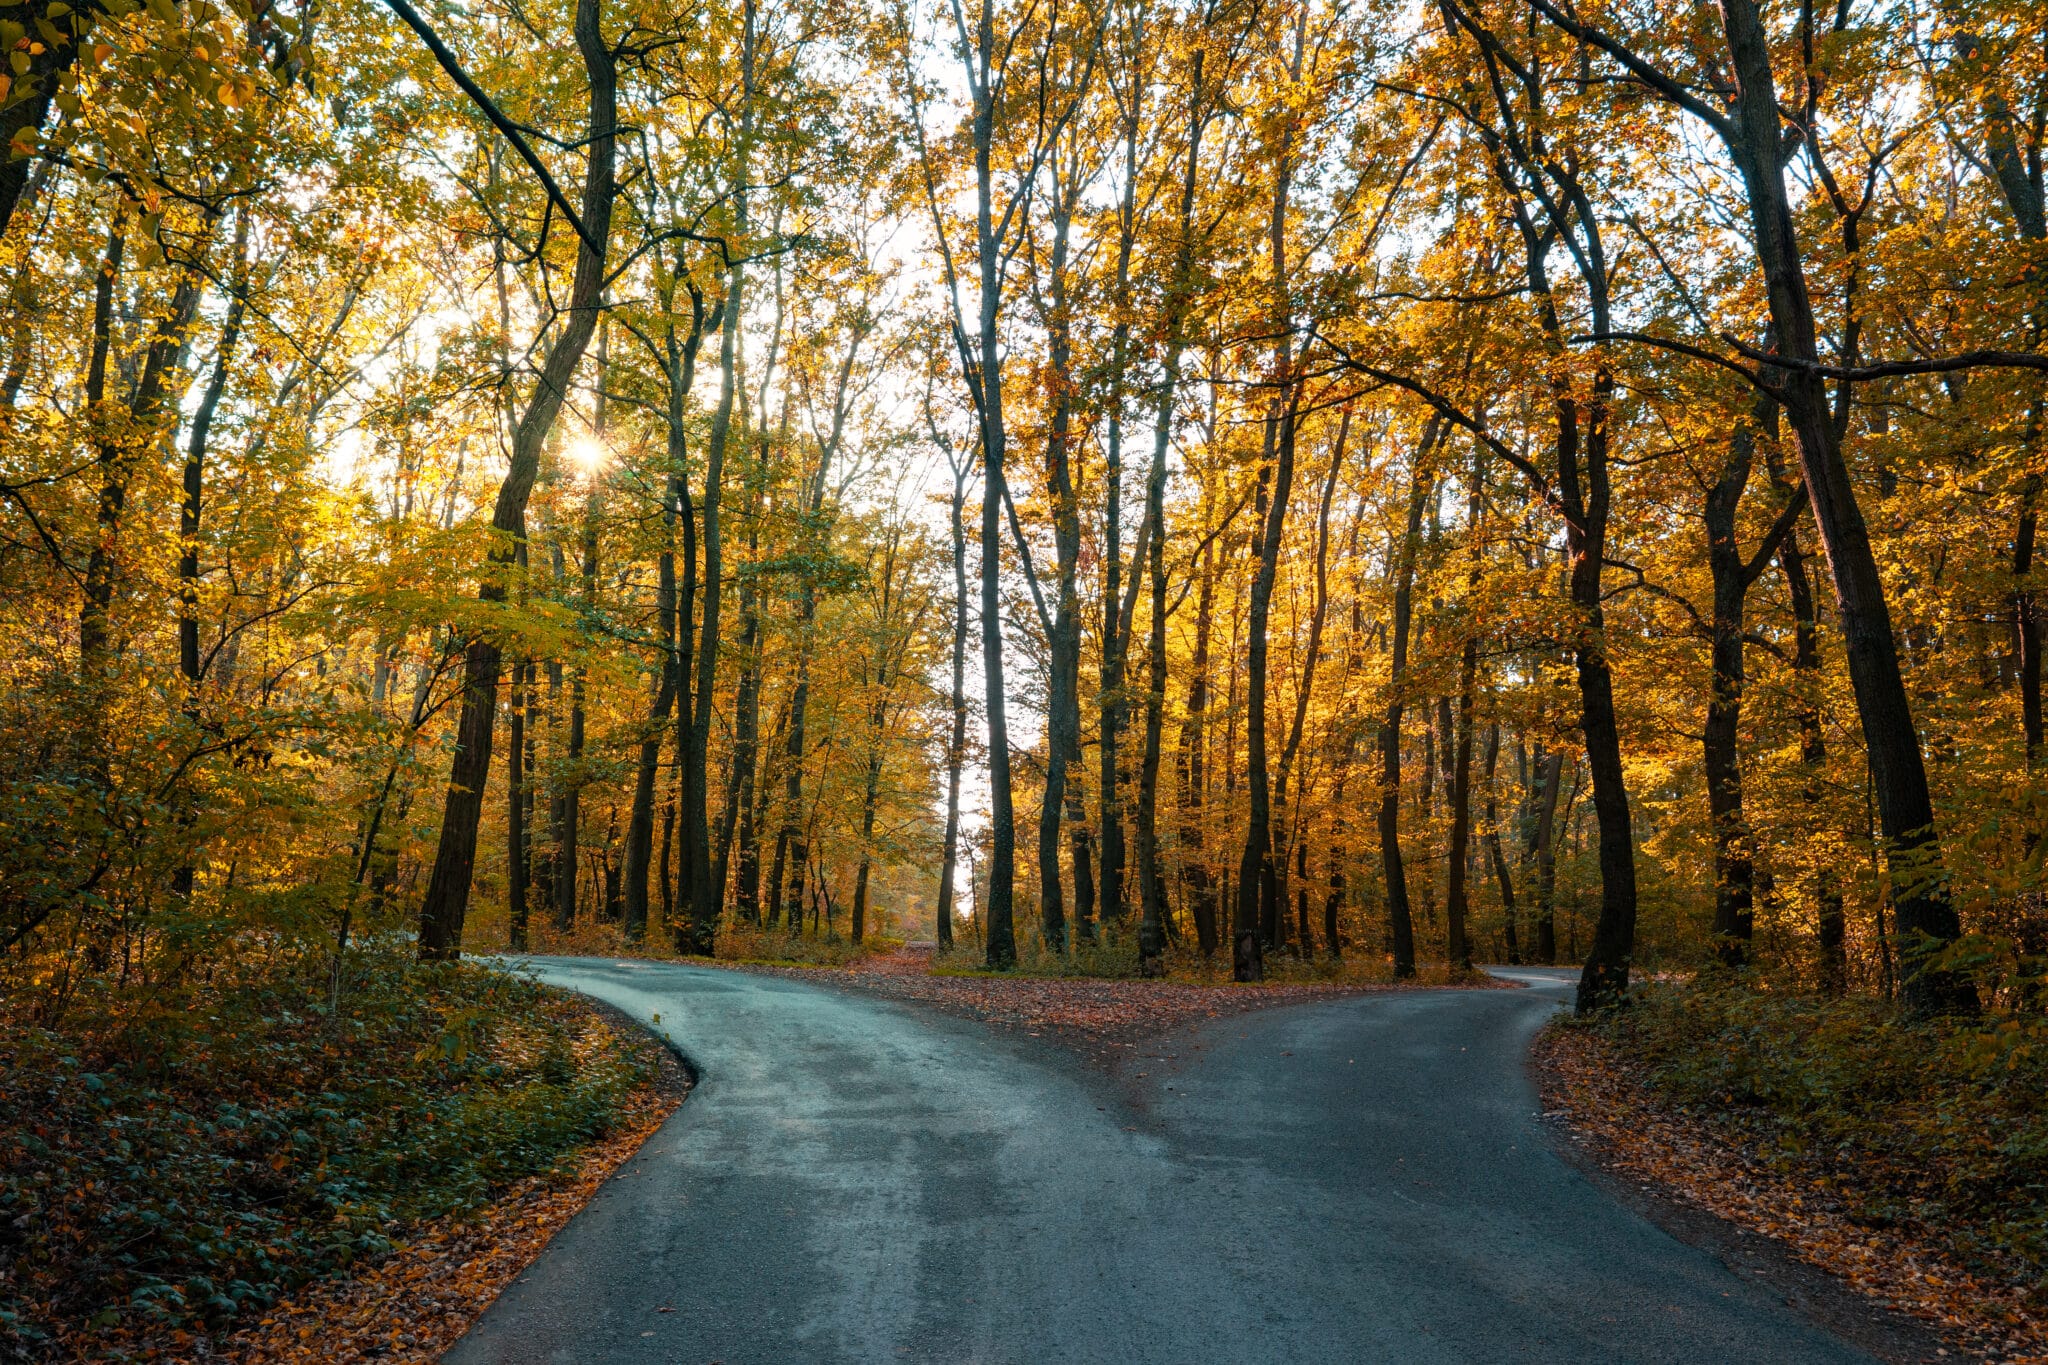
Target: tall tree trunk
{"x": 699, "y": 927}
{"x": 518, "y": 803}
{"x": 1734, "y": 862}
{"x": 194, "y": 491}
{"x": 123, "y": 440}
{"x": 640, "y": 827}
{"x": 1510, "y": 933}
{"x": 447, "y": 898}
{"x": 569, "y": 809}
{"x": 1457, "y": 910}
{"x": 1925, "y": 915}
{"x": 1197, "y": 876}
{"x": 1113, "y": 706}
{"x": 1305, "y": 684}
{"x": 997, "y": 914}
{"x": 1543, "y": 843}
{"x": 1063, "y": 709}
{"x": 1399, "y": 916}
{"x": 1151, "y": 876}
{"x": 877, "y": 720}
{"x": 746, "y": 742}
{"x": 1258, "y": 910}
{"x": 956, "y": 740}
{"x": 792, "y": 836}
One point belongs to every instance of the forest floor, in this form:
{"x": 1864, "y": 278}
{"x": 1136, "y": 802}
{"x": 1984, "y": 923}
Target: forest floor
{"x": 1097, "y": 1016}
{"x": 1786, "y": 1215}
{"x": 230, "y": 1168}
{"x": 413, "y": 1305}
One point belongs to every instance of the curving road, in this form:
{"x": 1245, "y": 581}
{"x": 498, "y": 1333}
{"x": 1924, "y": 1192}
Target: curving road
{"x": 1361, "y": 1180}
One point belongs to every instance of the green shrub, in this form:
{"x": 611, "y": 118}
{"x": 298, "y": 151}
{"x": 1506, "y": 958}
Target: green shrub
{"x": 1939, "y": 1128}
{"x": 182, "y": 1160}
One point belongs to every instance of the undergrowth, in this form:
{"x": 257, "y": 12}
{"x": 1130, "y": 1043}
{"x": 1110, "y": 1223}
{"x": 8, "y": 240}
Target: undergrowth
{"x": 736, "y": 942}
{"x": 1938, "y": 1128}
{"x": 1113, "y": 954}
{"x": 173, "y": 1162}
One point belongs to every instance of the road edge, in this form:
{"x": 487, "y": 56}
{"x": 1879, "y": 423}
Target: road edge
{"x": 1814, "y": 1292}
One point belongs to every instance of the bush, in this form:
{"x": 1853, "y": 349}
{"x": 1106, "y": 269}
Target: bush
{"x": 1938, "y": 1128}
{"x": 175, "y": 1162}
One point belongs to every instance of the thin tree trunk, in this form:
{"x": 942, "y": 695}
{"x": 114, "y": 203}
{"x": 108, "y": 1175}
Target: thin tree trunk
{"x": 746, "y": 744}
{"x": 1399, "y": 916}
{"x": 699, "y": 926}
{"x": 956, "y": 740}
{"x": 447, "y": 898}
{"x": 1925, "y": 915}
{"x": 1734, "y": 863}
{"x": 1063, "y": 713}
{"x": 1831, "y": 922}
{"x": 517, "y": 803}
{"x": 194, "y": 490}
{"x": 569, "y": 811}
{"x": 640, "y": 828}
{"x": 1196, "y": 874}
{"x": 1510, "y": 933}
{"x": 1543, "y": 843}
{"x": 998, "y": 912}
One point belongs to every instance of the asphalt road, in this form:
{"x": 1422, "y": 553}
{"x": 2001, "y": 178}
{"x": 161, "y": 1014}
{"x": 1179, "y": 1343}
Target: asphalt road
{"x": 1362, "y": 1180}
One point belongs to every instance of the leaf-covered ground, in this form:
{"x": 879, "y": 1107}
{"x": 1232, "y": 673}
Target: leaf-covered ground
{"x": 179, "y": 1165}
{"x": 1098, "y": 1015}
{"x": 1743, "y": 1159}
{"x": 416, "y": 1303}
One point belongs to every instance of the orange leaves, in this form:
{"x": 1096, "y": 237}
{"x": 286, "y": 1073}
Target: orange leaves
{"x": 416, "y": 1303}
{"x": 1090, "y": 1012}
{"x": 1590, "y": 1086}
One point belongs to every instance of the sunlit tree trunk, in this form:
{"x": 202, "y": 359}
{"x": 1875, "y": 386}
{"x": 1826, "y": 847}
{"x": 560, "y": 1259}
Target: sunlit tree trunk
{"x": 447, "y": 898}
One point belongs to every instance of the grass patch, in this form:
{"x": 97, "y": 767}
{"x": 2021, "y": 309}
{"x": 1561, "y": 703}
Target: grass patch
{"x": 1937, "y": 1128}
{"x": 176, "y": 1162}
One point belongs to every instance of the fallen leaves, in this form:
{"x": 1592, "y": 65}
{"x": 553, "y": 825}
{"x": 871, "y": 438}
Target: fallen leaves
{"x": 1094, "y": 1013}
{"x": 416, "y": 1303}
{"x": 1593, "y": 1090}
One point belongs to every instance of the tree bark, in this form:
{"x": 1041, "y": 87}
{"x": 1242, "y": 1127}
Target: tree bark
{"x": 1510, "y": 932}
{"x": 640, "y": 826}
{"x": 1063, "y": 708}
{"x": 956, "y": 739}
{"x": 569, "y": 805}
{"x": 194, "y": 492}
{"x": 1197, "y": 876}
{"x": 1543, "y": 843}
{"x": 447, "y": 898}
{"x": 1399, "y": 915}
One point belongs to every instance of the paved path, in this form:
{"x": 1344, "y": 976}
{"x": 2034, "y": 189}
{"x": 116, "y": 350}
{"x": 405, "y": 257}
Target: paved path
{"x": 1362, "y": 1180}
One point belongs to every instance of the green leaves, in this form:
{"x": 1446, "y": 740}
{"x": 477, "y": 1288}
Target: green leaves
{"x": 213, "y": 1151}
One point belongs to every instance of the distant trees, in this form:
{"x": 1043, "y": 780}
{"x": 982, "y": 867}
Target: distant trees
{"x": 1493, "y": 372}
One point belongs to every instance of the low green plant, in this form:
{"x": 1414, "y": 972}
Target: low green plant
{"x": 1938, "y": 1127}
{"x": 178, "y": 1161}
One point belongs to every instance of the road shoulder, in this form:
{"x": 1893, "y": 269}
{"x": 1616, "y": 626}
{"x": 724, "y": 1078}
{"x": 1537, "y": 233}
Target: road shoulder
{"x": 1765, "y": 1229}
{"x": 413, "y": 1305}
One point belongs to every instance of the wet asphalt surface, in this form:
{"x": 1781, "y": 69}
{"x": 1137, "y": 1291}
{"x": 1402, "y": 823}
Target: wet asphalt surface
{"x": 1366, "y": 1179}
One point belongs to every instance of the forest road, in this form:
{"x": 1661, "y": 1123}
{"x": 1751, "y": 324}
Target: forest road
{"x": 1365, "y": 1179}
